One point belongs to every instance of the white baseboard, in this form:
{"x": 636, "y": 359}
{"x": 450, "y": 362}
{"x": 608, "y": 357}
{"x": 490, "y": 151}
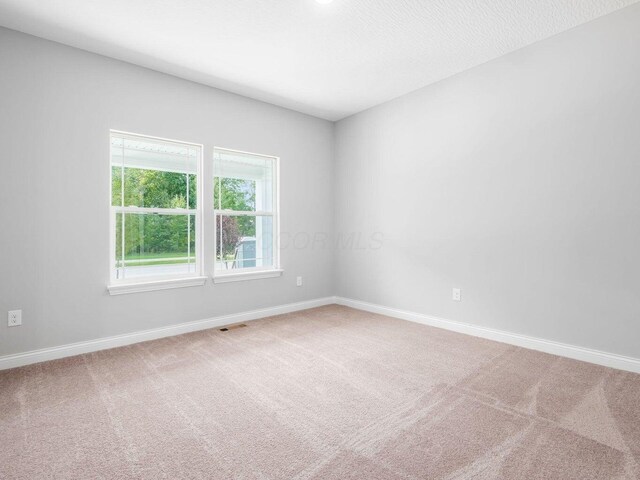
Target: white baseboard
{"x": 45, "y": 354}
{"x": 556, "y": 348}
{"x": 571, "y": 351}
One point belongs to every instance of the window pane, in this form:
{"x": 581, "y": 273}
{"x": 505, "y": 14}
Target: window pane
{"x": 157, "y": 189}
{"x": 244, "y": 242}
{"x": 234, "y": 194}
{"x": 153, "y": 174}
{"x": 243, "y": 182}
{"x": 154, "y": 245}
{"x": 116, "y": 186}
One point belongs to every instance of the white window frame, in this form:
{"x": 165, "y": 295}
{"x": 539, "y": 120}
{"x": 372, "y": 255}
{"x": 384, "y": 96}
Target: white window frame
{"x": 121, "y": 286}
{"x": 250, "y": 273}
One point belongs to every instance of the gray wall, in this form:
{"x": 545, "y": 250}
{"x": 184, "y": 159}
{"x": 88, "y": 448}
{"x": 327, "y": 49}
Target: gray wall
{"x": 517, "y": 181}
{"x": 56, "y": 108}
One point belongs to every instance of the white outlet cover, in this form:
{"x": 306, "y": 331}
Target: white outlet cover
{"x": 299, "y": 281}
{"x": 456, "y": 295}
{"x": 14, "y": 318}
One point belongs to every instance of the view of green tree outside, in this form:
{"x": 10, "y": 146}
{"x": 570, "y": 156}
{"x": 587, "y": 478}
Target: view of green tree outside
{"x": 151, "y": 239}
{"x": 153, "y": 188}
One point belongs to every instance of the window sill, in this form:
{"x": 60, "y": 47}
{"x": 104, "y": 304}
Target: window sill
{"x": 239, "y": 277}
{"x": 124, "y": 288}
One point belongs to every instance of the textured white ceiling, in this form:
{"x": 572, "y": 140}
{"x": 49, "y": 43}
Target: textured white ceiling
{"x": 326, "y": 60}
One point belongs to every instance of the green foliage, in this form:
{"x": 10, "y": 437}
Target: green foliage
{"x": 234, "y": 194}
{"x": 154, "y": 233}
{"x": 153, "y": 188}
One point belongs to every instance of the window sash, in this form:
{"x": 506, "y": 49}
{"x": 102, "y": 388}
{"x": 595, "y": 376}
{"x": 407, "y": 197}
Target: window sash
{"x": 160, "y": 211}
{"x": 218, "y": 153}
{"x": 120, "y": 264}
{"x": 275, "y": 264}
{"x": 246, "y": 213}
{"x": 196, "y": 213}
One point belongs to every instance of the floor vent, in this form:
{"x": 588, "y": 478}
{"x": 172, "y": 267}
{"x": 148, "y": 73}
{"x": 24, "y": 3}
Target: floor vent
{"x": 233, "y": 327}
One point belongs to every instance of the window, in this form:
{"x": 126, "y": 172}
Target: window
{"x": 155, "y": 212}
{"x": 246, "y": 215}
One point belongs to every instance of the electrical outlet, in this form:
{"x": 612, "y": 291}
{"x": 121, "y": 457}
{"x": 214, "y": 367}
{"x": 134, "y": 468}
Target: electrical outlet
{"x": 456, "y": 296}
{"x": 14, "y": 318}
{"x": 298, "y": 281}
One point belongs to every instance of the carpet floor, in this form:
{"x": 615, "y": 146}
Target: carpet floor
{"x": 327, "y": 393}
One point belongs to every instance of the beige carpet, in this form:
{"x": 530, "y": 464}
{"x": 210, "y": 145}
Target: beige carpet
{"x": 329, "y": 393}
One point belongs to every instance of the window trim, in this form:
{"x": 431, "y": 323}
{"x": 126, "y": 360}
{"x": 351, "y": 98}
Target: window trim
{"x": 149, "y": 286}
{"x": 245, "y": 275}
{"x": 158, "y": 282}
{"x": 250, "y": 273}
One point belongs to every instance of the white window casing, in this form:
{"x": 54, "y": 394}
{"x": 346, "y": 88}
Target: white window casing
{"x": 261, "y": 173}
{"x": 146, "y": 153}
